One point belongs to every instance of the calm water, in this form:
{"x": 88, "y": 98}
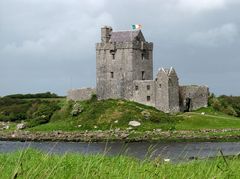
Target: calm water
{"x": 173, "y": 151}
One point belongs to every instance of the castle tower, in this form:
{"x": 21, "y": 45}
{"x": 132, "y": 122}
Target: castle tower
{"x": 167, "y": 90}
{"x": 121, "y": 58}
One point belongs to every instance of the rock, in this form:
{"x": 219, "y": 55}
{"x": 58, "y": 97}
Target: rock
{"x": 166, "y": 160}
{"x": 21, "y": 126}
{"x": 80, "y": 125}
{"x": 203, "y": 113}
{"x": 117, "y": 130}
{"x": 134, "y": 123}
{"x": 6, "y": 127}
{"x": 95, "y": 127}
{"x": 116, "y": 121}
{"x": 146, "y": 114}
{"x": 129, "y": 128}
{"x": 76, "y": 110}
{"x": 158, "y": 130}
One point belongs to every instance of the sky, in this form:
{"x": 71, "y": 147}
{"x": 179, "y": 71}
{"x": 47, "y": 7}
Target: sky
{"x": 49, "y": 45}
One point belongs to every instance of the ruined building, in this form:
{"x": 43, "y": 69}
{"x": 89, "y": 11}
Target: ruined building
{"x": 124, "y": 69}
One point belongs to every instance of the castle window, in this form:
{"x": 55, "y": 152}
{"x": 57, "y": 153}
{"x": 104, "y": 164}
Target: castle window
{"x": 136, "y": 88}
{"x": 148, "y": 87}
{"x": 160, "y": 85}
{"x": 144, "y": 55}
{"x": 112, "y": 75}
{"x": 113, "y": 52}
{"x": 148, "y": 98}
{"x": 143, "y": 75}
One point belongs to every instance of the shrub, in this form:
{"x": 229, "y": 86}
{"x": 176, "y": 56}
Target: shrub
{"x": 30, "y": 96}
{"x": 230, "y": 111}
{"x": 216, "y": 104}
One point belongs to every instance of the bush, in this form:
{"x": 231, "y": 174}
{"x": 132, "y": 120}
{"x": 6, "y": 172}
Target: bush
{"x": 216, "y": 104}
{"x": 43, "y": 113}
{"x": 227, "y": 104}
{"x": 31, "y": 96}
{"x": 230, "y": 111}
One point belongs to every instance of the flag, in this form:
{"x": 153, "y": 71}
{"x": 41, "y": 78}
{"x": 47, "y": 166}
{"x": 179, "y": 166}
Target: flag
{"x": 136, "y": 27}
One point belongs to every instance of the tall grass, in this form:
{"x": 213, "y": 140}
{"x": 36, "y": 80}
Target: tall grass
{"x": 35, "y": 164}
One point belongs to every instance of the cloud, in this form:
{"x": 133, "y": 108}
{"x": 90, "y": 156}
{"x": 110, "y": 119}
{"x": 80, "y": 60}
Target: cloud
{"x": 45, "y": 43}
{"x": 200, "y": 5}
{"x": 55, "y": 28}
{"x": 220, "y": 36}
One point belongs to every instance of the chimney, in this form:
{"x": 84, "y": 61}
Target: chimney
{"x": 106, "y": 34}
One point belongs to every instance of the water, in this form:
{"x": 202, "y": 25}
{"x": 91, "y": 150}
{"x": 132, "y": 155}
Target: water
{"x": 141, "y": 150}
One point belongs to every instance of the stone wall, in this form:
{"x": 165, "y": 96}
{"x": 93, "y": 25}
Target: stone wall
{"x": 162, "y": 91}
{"x": 81, "y": 94}
{"x": 144, "y": 92}
{"x": 198, "y": 96}
{"x": 118, "y": 64}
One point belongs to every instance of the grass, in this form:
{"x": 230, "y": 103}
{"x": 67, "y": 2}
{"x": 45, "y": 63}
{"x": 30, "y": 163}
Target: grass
{"x": 113, "y": 114}
{"x": 103, "y": 114}
{"x": 209, "y": 120}
{"x": 108, "y": 114}
{"x": 35, "y": 164}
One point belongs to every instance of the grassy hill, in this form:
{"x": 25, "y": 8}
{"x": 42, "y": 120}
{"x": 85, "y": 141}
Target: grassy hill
{"x": 62, "y": 115}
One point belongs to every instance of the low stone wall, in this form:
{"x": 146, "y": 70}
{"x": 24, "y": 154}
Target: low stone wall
{"x": 81, "y": 94}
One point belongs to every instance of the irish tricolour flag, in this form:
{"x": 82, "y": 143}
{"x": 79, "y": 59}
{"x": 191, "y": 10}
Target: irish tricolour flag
{"x": 136, "y": 27}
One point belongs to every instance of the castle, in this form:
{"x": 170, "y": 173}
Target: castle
{"x": 124, "y": 70}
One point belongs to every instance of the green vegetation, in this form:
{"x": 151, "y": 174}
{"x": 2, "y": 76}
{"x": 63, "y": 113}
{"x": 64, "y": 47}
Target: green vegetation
{"x": 107, "y": 114}
{"x": 229, "y": 105}
{"x": 34, "y": 112}
{"x": 35, "y": 164}
{"x": 34, "y": 96}
{"x": 207, "y": 118}
{"x": 53, "y": 114}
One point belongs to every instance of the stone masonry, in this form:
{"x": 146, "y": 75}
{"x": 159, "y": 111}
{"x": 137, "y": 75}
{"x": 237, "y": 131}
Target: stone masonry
{"x": 124, "y": 70}
{"x": 81, "y": 94}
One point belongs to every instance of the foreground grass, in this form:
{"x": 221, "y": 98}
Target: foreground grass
{"x": 35, "y": 164}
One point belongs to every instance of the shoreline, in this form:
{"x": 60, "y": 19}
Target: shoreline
{"x": 206, "y": 135}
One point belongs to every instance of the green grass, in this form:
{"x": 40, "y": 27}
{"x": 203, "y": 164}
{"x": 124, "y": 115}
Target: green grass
{"x": 34, "y": 164}
{"x": 103, "y": 115}
{"x": 210, "y": 120}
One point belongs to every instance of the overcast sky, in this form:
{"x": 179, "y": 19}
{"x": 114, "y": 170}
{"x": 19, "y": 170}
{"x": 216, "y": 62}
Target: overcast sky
{"x": 49, "y": 45}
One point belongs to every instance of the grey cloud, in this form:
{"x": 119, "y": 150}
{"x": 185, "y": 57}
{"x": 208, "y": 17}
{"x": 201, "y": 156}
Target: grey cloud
{"x": 50, "y": 45}
{"x": 224, "y": 35}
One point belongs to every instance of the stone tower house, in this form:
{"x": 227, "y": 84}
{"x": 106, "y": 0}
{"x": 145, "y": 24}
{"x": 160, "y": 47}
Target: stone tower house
{"x": 124, "y": 70}
{"x": 121, "y": 58}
